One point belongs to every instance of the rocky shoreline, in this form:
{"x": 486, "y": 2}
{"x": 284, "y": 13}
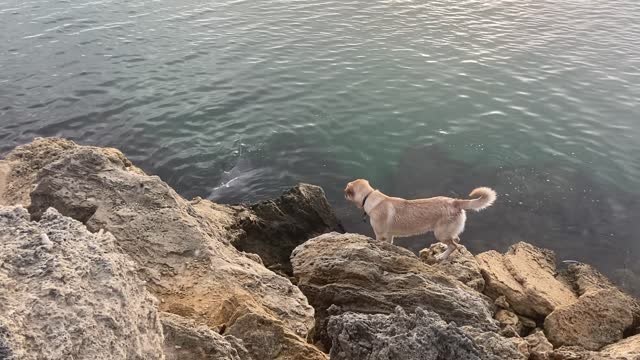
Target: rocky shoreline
{"x": 99, "y": 260}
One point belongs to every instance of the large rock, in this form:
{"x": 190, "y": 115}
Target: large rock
{"x": 601, "y": 316}
{"x": 526, "y": 276}
{"x": 183, "y": 339}
{"x": 273, "y": 228}
{"x": 463, "y": 266}
{"x": 628, "y": 348}
{"x": 181, "y": 248}
{"x": 421, "y": 335}
{"x": 360, "y": 274}
{"x": 69, "y": 294}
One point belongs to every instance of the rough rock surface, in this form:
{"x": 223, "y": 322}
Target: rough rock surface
{"x": 273, "y": 228}
{"x": 539, "y": 347}
{"x": 183, "y": 339}
{"x": 628, "y": 348}
{"x": 602, "y": 315}
{"x": 360, "y": 274}
{"x": 419, "y": 335}
{"x": 267, "y": 338}
{"x": 526, "y": 276}
{"x": 181, "y": 248}
{"x": 68, "y": 294}
{"x": 462, "y": 265}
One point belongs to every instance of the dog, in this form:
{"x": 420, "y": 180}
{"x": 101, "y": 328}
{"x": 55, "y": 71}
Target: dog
{"x": 396, "y": 217}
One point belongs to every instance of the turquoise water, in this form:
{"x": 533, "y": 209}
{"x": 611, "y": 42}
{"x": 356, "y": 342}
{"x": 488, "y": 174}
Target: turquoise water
{"x": 238, "y": 100}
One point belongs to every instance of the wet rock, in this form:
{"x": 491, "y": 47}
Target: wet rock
{"x": 181, "y": 248}
{"x": 67, "y": 293}
{"x": 462, "y": 266}
{"x": 183, "y": 339}
{"x": 628, "y": 348}
{"x": 526, "y": 276}
{"x": 359, "y": 274}
{"x": 419, "y": 335}
{"x": 273, "y": 228}
{"x": 539, "y": 347}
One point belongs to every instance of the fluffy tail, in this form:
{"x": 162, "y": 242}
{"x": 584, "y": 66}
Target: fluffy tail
{"x": 485, "y": 198}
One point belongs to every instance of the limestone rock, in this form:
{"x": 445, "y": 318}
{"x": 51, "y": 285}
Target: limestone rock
{"x": 68, "y": 294}
{"x": 267, "y": 338}
{"x": 360, "y": 274}
{"x": 598, "y": 318}
{"x": 539, "y": 347}
{"x": 525, "y": 275}
{"x": 462, "y": 265}
{"x": 507, "y": 318}
{"x": 628, "y": 348}
{"x": 181, "y": 248}
{"x": 419, "y": 335}
{"x": 183, "y": 339}
{"x": 273, "y": 228}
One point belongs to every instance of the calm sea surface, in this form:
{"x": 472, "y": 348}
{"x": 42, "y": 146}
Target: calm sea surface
{"x": 239, "y": 100}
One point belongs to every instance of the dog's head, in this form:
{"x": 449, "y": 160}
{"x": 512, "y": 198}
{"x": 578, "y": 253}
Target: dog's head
{"x": 357, "y": 190}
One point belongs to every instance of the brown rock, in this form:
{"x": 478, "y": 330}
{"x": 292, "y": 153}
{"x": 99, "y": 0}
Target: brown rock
{"x": 507, "y": 318}
{"x": 183, "y": 339}
{"x": 360, "y": 274}
{"x": 525, "y": 275}
{"x": 539, "y": 347}
{"x": 598, "y": 318}
{"x": 463, "y": 266}
{"x": 267, "y": 338}
{"x": 628, "y": 348}
{"x": 181, "y": 248}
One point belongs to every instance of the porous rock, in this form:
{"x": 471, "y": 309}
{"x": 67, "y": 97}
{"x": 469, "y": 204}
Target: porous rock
{"x": 359, "y": 274}
{"x": 461, "y": 265}
{"x": 181, "y": 248}
{"x": 411, "y": 336}
{"x": 184, "y": 339}
{"x": 69, "y": 294}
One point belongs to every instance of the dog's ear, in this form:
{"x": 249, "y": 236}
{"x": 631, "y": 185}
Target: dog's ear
{"x": 348, "y": 191}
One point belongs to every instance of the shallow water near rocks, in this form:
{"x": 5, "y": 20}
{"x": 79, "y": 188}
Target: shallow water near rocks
{"x": 238, "y": 100}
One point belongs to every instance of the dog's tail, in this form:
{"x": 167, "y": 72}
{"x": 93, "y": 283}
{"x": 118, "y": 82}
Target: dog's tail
{"x": 485, "y": 198}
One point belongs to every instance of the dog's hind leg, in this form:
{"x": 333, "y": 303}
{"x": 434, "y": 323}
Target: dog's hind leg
{"x": 451, "y": 247}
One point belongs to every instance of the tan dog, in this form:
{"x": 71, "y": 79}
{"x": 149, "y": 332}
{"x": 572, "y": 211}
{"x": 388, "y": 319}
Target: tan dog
{"x": 396, "y": 217}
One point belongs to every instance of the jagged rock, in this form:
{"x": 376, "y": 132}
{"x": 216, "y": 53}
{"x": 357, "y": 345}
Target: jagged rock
{"x": 183, "y": 339}
{"x": 598, "y": 318}
{"x": 539, "y": 347}
{"x": 601, "y": 316}
{"x": 68, "y": 294}
{"x": 628, "y": 348}
{"x": 420, "y": 335}
{"x": 267, "y": 338}
{"x": 508, "y": 319}
{"x": 181, "y": 248}
{"x": 360, "y": 274}
{"x": 525, "y": 275}
{"x": 495, "y": 344}
{"x": 585, "y": 278}
{"x": 463, "y": 266}
{"x": 273, "y": 228}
